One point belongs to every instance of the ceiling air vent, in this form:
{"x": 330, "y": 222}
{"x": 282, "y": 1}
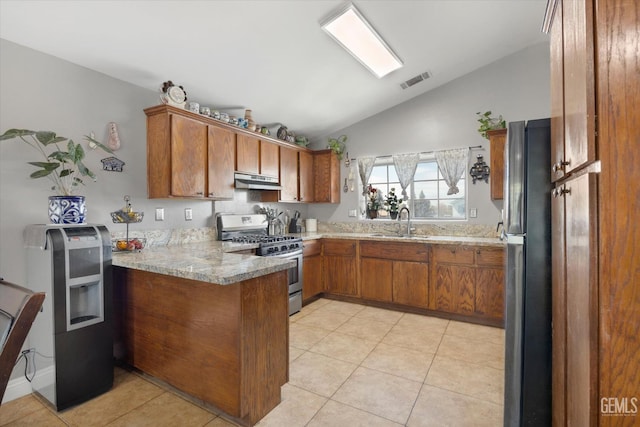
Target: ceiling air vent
{"x": 416, "y": 79}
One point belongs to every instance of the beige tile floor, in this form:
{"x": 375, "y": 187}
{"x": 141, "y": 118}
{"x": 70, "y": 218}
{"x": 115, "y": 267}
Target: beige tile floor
{"x": 350, "y": 365}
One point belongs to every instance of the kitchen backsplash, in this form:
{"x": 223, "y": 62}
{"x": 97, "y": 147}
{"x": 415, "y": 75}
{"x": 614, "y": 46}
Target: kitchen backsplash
{"x": 178, "y": 236}
{"x": 440, "y": 229}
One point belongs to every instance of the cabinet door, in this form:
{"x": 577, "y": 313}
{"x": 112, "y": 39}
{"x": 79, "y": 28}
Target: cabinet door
{"x": 376, "y": 279}
{"x": 312, "y": 276}
{"x": 221, "y": 158}
{"x": 288, "y": 174}
{"x": 558, "y": 308}
{"x": 410, "y": 283}
{"x": 556, "y": 52}
{"x": 305, "y": 177}
{"x": 326, "y": 177}
{"x": 247, "y": 154}
{"x": 579, "y": 87}
{"x": 340, "y": 267}
{"x": 489, "y": 295}
{"x": 449, "y": 268}
{"x": 497, "y": 141}
{"x": 489, "y": 292}
{"x": 581, "y": 301}
{"x": 270, "y": 159}
{"x": 188, "y": 157}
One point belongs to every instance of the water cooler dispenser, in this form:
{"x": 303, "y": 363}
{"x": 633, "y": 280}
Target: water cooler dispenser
{"x": 73, "y": 335}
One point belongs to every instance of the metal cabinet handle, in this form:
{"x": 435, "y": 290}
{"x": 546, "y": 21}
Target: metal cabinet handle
{"x": 478, "y": 252}
{"x": 199, "y": 193}
{"x": 453, "y": 251}
{"x": 557, "y": 192}
{"x": 557, "y": 167}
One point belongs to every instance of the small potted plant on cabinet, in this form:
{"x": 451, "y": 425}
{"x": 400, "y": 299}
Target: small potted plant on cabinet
{"x": 64, "y": 169}
{"x": 489, "y": 123}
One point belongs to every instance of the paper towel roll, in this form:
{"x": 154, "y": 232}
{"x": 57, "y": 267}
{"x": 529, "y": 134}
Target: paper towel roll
{"x": 311, "y": 225}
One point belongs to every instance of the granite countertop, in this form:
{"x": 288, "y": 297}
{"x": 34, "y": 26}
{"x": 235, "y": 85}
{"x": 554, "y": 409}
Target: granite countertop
{"x": 210, "y": 261}
{"x": 391, "y": 237}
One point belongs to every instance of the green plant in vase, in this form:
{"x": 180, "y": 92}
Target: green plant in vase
{"x": 392, "y": 203}
{"x": 489, "y": 123}
{"x": 64, "y": 168}
{"x": 337, "y": 145}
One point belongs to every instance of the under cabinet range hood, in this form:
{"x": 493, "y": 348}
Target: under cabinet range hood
{"x": 256, "y": 182}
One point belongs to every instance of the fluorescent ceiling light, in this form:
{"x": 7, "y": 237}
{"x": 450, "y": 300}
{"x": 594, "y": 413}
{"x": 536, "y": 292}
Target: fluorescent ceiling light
{"x": 357, "y": 36}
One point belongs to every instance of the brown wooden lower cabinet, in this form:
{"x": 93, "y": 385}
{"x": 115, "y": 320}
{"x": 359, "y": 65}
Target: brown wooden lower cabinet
{"x": 468, "y": 280}
{"x": 340, "y": 265}
{"x": 227, "y": 345}
{"x": 394, "y": 272}
{"x": 312, "y": 280}
{"x": 463, "y": 281}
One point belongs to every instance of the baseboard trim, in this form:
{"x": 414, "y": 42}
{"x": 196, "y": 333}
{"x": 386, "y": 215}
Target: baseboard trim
{"x": 16, "y": 389}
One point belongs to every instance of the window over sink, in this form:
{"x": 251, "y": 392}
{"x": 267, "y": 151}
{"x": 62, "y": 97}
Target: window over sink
{"x": 427, "y": 193}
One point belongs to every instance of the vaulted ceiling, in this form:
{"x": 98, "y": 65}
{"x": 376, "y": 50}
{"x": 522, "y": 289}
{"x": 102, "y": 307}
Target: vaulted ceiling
{"x": 272, "y": 56}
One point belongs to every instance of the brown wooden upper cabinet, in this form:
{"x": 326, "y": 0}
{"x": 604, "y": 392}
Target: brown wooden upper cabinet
{"x": 179, "y": 163}
{"x": 573, "y": 121}
{"x": 305, "y": 177}
{"x": 257, "y": 157}
{"x": 289, "y": 174}
{"x": 248, "y": 154}
{"x": 497, "y": 142}
{"x": 296, "y": 168}
{"x": 269, "y": 158}
{"x": 326, "y": 177}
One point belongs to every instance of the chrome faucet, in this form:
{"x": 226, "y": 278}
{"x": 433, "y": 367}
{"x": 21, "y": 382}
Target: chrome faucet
{"x": 408, "y": 219}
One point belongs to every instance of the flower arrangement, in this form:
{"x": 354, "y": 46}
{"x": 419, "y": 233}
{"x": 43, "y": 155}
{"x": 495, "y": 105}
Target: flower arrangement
{"x": 373, "y": 201}
{"x": 392, "y": 202}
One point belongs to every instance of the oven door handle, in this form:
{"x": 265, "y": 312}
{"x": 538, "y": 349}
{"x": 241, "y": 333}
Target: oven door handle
{"x": 287, "y": 255}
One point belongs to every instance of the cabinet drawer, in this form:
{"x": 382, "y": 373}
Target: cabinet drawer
{"x": 395, "y": 250}
{"x": 311, "y": 247}
{"x": 453, "y": 254}
{"x": 490, "y": 256}
{"x": 340, "y": 247}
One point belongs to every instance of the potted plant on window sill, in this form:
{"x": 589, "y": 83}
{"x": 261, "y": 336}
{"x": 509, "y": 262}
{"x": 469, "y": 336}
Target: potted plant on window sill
{"x": 64, "y": 169}
{"x": 373, "y": 202}
{"x": 393, "y": 203}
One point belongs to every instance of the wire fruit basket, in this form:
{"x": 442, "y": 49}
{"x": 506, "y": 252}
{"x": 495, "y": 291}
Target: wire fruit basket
{"x": 127, "y": 216}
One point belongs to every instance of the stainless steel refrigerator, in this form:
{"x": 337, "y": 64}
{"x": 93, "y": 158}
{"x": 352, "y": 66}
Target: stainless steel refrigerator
{"x": 527, "y": 224}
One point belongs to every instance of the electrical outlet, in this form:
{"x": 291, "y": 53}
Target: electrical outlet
{"x": 473, "y": 213}
{"x": 353, "y": 213}
{"x": 188, "y": 214}
{"x": 159, "y": 214}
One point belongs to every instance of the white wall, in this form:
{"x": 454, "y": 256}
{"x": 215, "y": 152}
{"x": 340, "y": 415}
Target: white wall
{"x": 516, "y": 86}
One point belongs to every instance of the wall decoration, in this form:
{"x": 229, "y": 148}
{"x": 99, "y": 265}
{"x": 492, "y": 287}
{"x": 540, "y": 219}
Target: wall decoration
{"x": 112, "y": 164}
{"x": 479, "y": 170}
{"x": 114, "y": 138}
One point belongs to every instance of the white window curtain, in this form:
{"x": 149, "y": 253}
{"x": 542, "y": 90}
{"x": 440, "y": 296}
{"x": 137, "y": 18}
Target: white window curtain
{"x": 452, "y": 164}
{"x": 405, "y": 165}
{"x": 365, "y": 166}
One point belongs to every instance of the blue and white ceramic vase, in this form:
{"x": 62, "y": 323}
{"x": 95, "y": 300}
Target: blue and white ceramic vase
{"x": 67, "y": 209}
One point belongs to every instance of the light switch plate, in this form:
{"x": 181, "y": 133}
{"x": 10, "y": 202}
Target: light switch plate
{"x": 473, "y": 213}
{"x": 159, "y": 214}
{"x": 188, "y": 214}
{"x": 353, "y": 213}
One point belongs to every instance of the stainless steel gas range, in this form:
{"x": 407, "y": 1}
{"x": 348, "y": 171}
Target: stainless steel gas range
{"x": 252, "y": 229}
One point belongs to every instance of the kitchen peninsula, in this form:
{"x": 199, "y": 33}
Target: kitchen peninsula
{"x": 210, "y": 322}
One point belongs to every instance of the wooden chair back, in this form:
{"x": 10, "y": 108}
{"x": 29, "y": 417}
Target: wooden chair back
{"x": 18, "y": 309}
